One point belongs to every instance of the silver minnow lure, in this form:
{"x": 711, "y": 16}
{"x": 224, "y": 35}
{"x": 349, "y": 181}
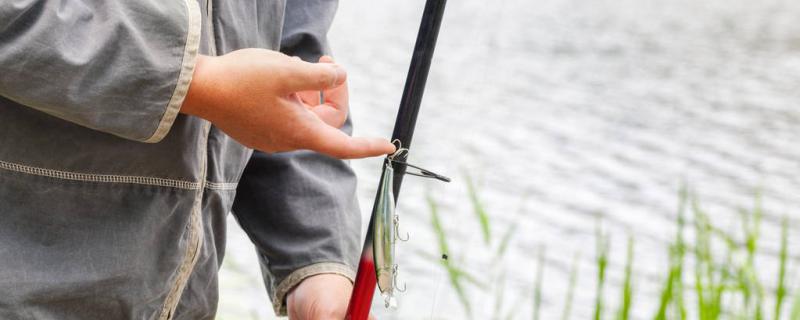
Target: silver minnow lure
{"x": 385, "y": 224}
{"x": 385, "y": 236}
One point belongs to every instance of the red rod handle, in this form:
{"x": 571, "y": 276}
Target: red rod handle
{"x": 363, "y": 289}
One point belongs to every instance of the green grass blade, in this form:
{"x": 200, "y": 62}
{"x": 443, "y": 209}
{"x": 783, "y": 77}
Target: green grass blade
{"x": 627, "y": 287}
{"x": 672, "y": 291}
{"x": 794, "y": 314}
{"x": 500, "y": 291}
{"x": 752, "y": 288}
{"x": 573, "y": 280}
{"x": 507, "y": 236}
{"x": 702, "y": 262}
{"x": 601, "y": 260}
{"x": 479, "y": 209}
{"x": 454, "y": 274}
{"x": 436, "y": 223}
{"x": 680, "y": 255}
{"x": 537, "y": 293}
{"x": 780, "y": 288}
{"x": 666, "y": 296}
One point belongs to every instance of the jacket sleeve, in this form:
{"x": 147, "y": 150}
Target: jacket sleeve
{"x": 300, "y": 208}
{"x": 122, "y": 67}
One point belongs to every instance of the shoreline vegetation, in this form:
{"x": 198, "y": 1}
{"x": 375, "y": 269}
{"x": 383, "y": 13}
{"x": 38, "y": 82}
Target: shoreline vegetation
{"x": 710, "y": 274}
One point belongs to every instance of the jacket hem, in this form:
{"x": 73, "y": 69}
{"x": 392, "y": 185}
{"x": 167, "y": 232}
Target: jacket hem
{"x": 297, "y": 276}
{"x": 190, "y": 52}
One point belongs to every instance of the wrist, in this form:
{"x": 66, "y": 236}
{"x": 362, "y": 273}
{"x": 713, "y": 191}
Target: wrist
{"x": 200, "y": 97}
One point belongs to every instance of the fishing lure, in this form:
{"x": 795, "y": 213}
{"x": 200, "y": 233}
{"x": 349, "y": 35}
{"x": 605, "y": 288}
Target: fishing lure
{"x": 386, "y": 226}
{"x": 385, "y": 236}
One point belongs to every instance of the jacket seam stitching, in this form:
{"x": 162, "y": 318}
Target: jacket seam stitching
{"x": 101, "y": 178}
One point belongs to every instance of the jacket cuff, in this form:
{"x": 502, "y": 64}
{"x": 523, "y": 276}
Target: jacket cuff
{"x": 297, "y": 276}
{"x": 190, "y": 52}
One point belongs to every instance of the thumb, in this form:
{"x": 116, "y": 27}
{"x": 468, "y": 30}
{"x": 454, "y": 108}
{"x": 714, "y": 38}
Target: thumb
{"x": 304, "y": 76}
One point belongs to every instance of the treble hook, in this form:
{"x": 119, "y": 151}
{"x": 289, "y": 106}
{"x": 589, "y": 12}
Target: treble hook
{"x": 394, "y": 281}
{"x": 397, "y": 229}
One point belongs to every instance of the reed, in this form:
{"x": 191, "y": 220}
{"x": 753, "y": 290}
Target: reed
{"x": 455, "y": 275}
{"x": 601, "y": 260}
{"x": 780, "y": 288}
{"x": 537, "y": 294}
{"x": 573, "y": 281}
{"x": 624, "y": 311}
{"x": 713, "y": 268}
{"x": 479, "y": 209}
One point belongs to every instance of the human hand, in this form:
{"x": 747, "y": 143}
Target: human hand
{"x": 265, "y": 100}
{"x": 320, "y": 297}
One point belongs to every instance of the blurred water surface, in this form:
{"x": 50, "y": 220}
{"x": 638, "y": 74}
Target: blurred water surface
{"x": 562, "y": 110}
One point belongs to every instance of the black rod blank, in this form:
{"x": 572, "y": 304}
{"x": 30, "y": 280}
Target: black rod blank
{"x": 415, "y": 82}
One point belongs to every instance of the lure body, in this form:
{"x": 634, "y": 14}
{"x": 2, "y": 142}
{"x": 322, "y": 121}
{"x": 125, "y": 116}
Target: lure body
{"x": 385, "y": 236}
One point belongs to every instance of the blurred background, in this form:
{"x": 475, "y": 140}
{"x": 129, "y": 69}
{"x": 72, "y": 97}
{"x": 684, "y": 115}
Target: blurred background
{"x": 569, "y": 129}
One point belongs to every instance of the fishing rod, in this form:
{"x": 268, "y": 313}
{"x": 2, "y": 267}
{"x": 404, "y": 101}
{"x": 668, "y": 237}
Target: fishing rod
{"x": 376, "y": 266}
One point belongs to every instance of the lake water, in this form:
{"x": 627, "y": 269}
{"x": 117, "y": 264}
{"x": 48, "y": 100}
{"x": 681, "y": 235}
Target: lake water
{"x": 560, "y": 111}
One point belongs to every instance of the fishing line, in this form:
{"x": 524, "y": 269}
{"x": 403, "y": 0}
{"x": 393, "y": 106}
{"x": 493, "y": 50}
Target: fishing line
{"x": 438, "y": 290}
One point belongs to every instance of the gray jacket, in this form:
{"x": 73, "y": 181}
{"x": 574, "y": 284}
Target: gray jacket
{"x": 113, "y": 205}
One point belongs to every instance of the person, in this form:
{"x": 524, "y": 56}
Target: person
{"x": 127, "y": 131}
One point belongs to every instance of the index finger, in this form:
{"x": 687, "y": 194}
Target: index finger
{"x": 333, "y": 142}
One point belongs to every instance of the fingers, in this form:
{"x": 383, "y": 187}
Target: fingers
{"x": 330, "y": 105}
{"x": 333, "y": 142}
{"x": 304, "y": 76}
{"x": 307, "y": 79}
